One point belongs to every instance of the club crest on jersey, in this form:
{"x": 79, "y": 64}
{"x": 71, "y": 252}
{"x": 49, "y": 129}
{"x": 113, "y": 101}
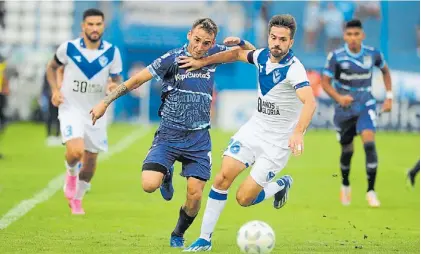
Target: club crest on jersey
{"x": 367, "y": 61}
{"x": 270, "y": 176}
{"x": 103, "y": 60}
{"x": 276, "y": 76}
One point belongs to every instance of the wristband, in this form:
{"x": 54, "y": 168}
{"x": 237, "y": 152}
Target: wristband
{"x": 242, "y": 42}
{"x": 389, "y": 95}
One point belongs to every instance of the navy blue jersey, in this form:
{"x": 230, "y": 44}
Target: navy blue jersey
{"x": 352, "y": 74}
{"x": 186, "y": 96}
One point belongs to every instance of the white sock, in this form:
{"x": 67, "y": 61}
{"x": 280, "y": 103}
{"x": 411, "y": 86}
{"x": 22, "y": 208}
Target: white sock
{"x": 72, "y": 170}
{"x": 272, "y": 188}
{"x": 82, "y": 186}
{"x": 269, "y": 191}
{"x": 216, "y": 203}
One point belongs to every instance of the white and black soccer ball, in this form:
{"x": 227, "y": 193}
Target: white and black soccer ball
{"x": 256, "y": 237}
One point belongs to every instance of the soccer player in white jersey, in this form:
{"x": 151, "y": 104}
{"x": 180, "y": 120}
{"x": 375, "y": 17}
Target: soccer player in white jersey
{"x": 285, "y": 107}
{"x": 88, "y": 63}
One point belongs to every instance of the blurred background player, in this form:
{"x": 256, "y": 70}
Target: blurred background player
{"x": 183, "y": 133}
{"x": 4, "y": 92}
{"x": 52, "y": 123}
{"x": 88, "y": 61}
{"x": 284, "y": 110}
{"x": 412, "y": 173}
{"x": 347, "y": 78}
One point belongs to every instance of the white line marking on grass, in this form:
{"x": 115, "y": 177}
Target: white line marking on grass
{"x": 57, "y": 183}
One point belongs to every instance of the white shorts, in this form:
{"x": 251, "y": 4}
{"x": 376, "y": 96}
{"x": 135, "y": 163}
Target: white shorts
{"x": 74, "y": 125}
{"x": 266, "y": 158}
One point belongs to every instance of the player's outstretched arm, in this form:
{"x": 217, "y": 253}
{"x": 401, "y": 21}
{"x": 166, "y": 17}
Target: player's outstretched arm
{"x": 114, "y": 82}
{"x": 228, "y": 56}
{"x": 237, "y": 42}
{"x": 132, "y": 83}
{"x": 296, "y": 143}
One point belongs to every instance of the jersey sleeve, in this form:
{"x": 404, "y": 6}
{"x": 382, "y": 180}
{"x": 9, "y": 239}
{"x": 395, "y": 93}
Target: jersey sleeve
{"x": 379, "y": 59}
{"x": 218, "y": 48}
{"x": 61, "y": 54}
{"x": 253, "y": 56}
{"x": 161, "y": 66}
{"x": 116, "y": 66}
{"x": 330, "y": 65}
{"x": 297, "y": 76}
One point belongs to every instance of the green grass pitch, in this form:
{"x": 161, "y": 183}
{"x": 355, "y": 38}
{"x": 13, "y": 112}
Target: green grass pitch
{"x": 121, "y": 218}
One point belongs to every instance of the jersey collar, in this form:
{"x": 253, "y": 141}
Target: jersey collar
{"x": 354, "y": 55}
{"x": 286, "y": 58}
{"x": 83, "y": 45}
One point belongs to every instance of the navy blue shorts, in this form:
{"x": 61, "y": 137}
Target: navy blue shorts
{"x": 191, "y": 148}
{"x": 350, "y": 127}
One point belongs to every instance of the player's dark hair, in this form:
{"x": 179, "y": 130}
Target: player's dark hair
{"x": 355, "y": 23}
{"x": 92, "y": 12}
{"x": 284, "y": 20}
{"x": 206, "y": 24}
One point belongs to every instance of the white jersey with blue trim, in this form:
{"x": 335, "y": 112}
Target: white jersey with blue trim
{"x": 86, "y": 73}
{"x": 278, "y": 107}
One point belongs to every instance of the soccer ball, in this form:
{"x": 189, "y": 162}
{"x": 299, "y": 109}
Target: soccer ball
{"x": 256, "y": 237}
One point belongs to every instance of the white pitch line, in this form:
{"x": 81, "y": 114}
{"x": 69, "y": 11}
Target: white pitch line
{"x": 57, "y": 183}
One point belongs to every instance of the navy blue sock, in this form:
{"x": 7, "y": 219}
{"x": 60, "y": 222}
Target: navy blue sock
{"x": 371, "y": 162}
{"x": 346, "y": 165}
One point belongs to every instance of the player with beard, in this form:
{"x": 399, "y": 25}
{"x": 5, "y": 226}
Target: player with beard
{"x": 88, "y": 63}
{"x": 285, "y": 107}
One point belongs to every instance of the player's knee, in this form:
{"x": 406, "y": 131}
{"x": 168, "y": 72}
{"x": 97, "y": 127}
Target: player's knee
{"x": 194, "y": 193}
{"x": 74, "y": 153}
{"x": 348, "y": 148}
{"x": 150, "y": 186}
{"x": 150, "y": 183}
{"x": 244, "y": 200}
{"x": 222, "y": 182}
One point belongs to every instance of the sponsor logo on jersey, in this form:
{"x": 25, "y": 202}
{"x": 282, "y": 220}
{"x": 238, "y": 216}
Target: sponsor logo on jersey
{"x": 267, "y": 107}
{"x": 355, "y": 76}
{"x": 190, "y": 75}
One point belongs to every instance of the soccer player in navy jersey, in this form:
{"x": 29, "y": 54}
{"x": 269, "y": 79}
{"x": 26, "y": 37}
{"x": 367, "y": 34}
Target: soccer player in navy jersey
{"x": 183, "y": 134}
{"x": 347, "y": 78}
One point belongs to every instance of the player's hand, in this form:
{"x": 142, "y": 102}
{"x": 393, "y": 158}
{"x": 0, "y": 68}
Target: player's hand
{"x": 345, "y": 100}
{"x": 387, "y": 105}
{"x": 111, "y": 87}
{"x": 98, "y": 111}
{"x": 296, "y": 143}
{"x": 190, "y": 63}
{"x": 232, "y": 41}
{"x": 57, "y": 98}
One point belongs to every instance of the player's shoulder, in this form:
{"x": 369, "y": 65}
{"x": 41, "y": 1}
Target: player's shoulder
{"x": 106, "y": 45}
{"x": 75, "y": 42}
{"x": 341, "y": 51}
{"x": 370, "y": 49}
{"x": 295, "y": 66}
{"x": 173, "y": 53}
{"x": 261, "y": 54}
